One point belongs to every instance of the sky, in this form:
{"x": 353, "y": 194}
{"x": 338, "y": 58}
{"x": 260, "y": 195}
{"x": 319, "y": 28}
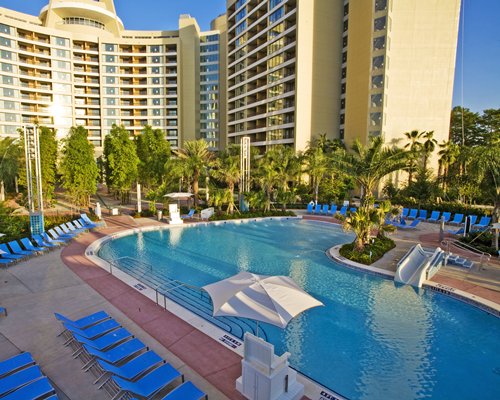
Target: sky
{"x": 481, "y": 38}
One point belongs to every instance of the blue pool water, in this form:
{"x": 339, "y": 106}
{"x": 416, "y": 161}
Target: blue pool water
{"x": 370, "y": 341}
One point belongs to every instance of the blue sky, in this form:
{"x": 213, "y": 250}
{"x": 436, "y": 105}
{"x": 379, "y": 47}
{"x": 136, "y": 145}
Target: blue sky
{"x": 481, "y": 61}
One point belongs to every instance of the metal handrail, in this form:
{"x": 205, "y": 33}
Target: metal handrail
{"x": 470, "y": 249}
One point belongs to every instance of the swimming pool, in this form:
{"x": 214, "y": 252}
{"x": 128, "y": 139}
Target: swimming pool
{"x": 370, "y": 341}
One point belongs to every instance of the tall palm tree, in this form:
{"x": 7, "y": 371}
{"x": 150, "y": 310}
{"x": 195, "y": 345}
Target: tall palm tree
{"x": 414, "y": 147}
{"x": 195, "y": 156}
{"x": 428, "y": 146}
{"x": 367, "y": 165}
{"x": 447, "y": 156}
{"x": 227, "y": 169}
{"x": 316, "y": 166}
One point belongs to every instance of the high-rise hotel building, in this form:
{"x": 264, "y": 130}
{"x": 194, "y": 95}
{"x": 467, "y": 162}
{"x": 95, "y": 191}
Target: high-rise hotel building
{"x": 278, "y": 71}
{"x": 76, "y": 64}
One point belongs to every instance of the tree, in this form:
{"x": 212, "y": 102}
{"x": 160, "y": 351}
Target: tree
{"x": 490, "y": 123}
{"x": 227, "y": 169}
{"x": 447, "y": 156}
{"x": 153, "y": 151}
{"x": 316, "y": 166}
{"x": 78, "y": 168}
{"x": 9, "y": 164}
{"x": 360, "y": 223}
{"x": 428, "y": 146}
{"x": 414, "y": 148}
{"x": 121, "y": 161}
{"x": 367, "y": 165}
{"x": 48, "y": 162}
{"x": 195, "y": 156}
{"x": 472, "y": 134}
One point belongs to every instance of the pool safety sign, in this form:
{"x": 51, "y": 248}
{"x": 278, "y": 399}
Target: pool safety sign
{"x": 229, "y": 341}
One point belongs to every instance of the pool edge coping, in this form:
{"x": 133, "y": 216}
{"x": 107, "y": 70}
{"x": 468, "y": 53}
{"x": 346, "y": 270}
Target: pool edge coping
{"x": 312, "y": 389}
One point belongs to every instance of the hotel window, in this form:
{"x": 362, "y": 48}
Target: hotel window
{"x": 9, "y": 105}
{"x": 110, "y": 101}
{"x": 9, "y": 92}
{"x": 209, "y": 68}
{"x": 209, "y": 58}
{"x": 344, "y": 56}
{"x": 376, "y": 100}
{"x": 62, "y": 88}
{"x": 61, "y": 42}
{"x": 377, "y": 81}
{"x": 110, "y": 90}
{"x": 346, "y": 9}
{"x": 342, "y": 88}
{"x": 375, "y": 118}
{"x": 62, "y": 53}
{"x": 275, "y": 46}
{"x": 379, "y": 43}
{"x": 209, "y": 48}
{"x": 110, "y": 80}
{"x": 275, "y": 16}
{"x": 110, "y": 69}
{"x": 241, "y": 40}
{"x": 380, "y": 24}
{"x": 378, "y": 62}
{"x": 5, "y": 29}
{"x": 172, "y": 132}
{"x": 275, "y": 61}
{"x": 342, "y": 104}
{"x": 380, "y": 5}
{"x": 241, "y": 14}
{"x": 156, "y": 60}
{"x": 155, "y": 81}
{"x": 274, "y": 3}
{"x": 275, "y": 90}
{"x": 62, "y": 76}
{"x": 5, "y": 42}
{"x": 109, "y": 47}
{"x": 209, "y": 78}
{"x": 241, "y": 27}
{"x": 276, "y": 31}
{"x": 344, "y": 72}
{"x": 344, "y": 41}
{"x": 6, "y": 67}
{"x": 342, "y": 119}
{"x": 7, "y": 80}
{"x": 346, "y": 26}
{"x": 111, "y": 111}
{"x": 156, "y": 91}
{"x": 275, "y": 76}
{"x": 155, "y": 49}
{"x": 6, "y": 55}
{"x": 110, "y": 59}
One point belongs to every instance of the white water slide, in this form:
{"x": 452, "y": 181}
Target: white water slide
{"x": 418, "y": 265}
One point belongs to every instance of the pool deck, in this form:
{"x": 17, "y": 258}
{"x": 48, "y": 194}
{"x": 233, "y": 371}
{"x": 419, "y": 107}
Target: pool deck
{"x": 65, "y": 281}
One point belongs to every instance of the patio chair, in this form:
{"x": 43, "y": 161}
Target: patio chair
{"x": 74, "y": 229}
{"x": 324, "y": 209}
{"x": 333, "y": 210}
{"x": 446, "y": 216}
{"x": 6, "y": 253}
{"x": 130, "y": 370}
{"x": 189, "y": 214}
{"x": 405, "y": 212}
{"x": 457, "y": 219}
{"x": 343, "y": 211}
{"x": 86, "y": 321}
{"x": 483, "y": 223}
{"x": 413, "y": 213}
{"x": 434, "y": 216}
{"x": 42, "y": 243}
{"x": 17, "y": 379}
{"x": 6, "y": 261}
{"x": 149, "y": 384}
{"x": 66, "y": 230}
{"x": 13, "y": 364}
{"x": 63, "y": 234}
{"x": 310, "y": 208}
{"x": 94, "y": 331}
{"x": 116, "y": 354}
{"x": 29, "y": 246}
{"x": 207, "y": 213}
{"x": 459, "y": 231}
{"x": 413, "y": 225}
{"x": 87, "y": 220}
{"x": 37, "y": 389}
{"x": 353, "y": 210}
{"x": 16, "y": 249}
{"x": 186, "y": 391}
{"x": 472, "y": 219}
{"x": 317, "y": 209}
{"x": 3, "y": 311}
{"x": 422, "y": 215}
{"x": 103, "y": 342}
{"x": 54, "y": 237}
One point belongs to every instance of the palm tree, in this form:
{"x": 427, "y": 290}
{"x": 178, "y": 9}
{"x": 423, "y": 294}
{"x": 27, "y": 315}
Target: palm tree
{"x": 316, "y": 166}
{"x": 195, "y": 156}
{"x": 227, "y": 169}
{"x": 367, "y": 165}
{"x": 360, "y": 223}
{"x": 9, "y": 149}
{"x": 414, "y": 147}
{"x": 428, "y": 146}
{"x": 447, "y": 156}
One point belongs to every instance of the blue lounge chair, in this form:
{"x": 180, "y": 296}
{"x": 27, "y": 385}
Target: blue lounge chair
{"x": 472, "y": 219}
{"x": 104, "y": 342}
{"x": 446, "y": 216}
{"x": 317, "y": 209}
{"x": 54, "y": 238}
{"x": 405, "y": 212}
{"x": 42, "y": 243}
{"x": 59, "y": 236}
{"x": 65, "y": 230}
{"x": 29, "y": 246}
{"x": 333, "y": 209}
{"x": 149, "y": 384}
{"x": 413, "y": 213}
{"x": 459, "y": 231}
{"x": 132, "y": 369}
{"x": 186, "y": 391}
{"x": 310, "y": 208}
{"x": 116, "y": 354}
{"x": 422, "y": 215}
{"x": 16, "y": 249}
{"x": 19, "y": 379}
{"x": 3, "y": 311}
{"x": 6, "y": 253}
{"x": 15, "y": 363}
{"x": 324, "y": 209}
{"x": 94, "y": 331}
{"x": 483, "y": 223}
{"x": 189, "y": 214}
{"x": 434, "y": 216}
{"x": 353, "y": 210}
{"x": 37, "y": 389}
{"x": 88, "y": 221}
{"x": 411, "y": 226}
{"x": 343, "y": 211}
{"x": 6, "y": 261}
{"x": 73, "y": 229}
{"x": 84, "y": 322}
{"x": 457, "y": 219}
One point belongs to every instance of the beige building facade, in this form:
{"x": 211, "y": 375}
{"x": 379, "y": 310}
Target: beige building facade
{"x": 76, "y": 64}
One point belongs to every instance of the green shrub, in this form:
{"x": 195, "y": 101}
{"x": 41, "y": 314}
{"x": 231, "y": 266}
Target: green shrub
{"x": 483, "y": 241}
{"x": 219, "y": 215}
{"x": 378, "y": 248}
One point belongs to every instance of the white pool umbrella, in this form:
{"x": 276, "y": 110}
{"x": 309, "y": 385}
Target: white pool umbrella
{"x": 271, "y": 299}
{"x": 179, "y": 195}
